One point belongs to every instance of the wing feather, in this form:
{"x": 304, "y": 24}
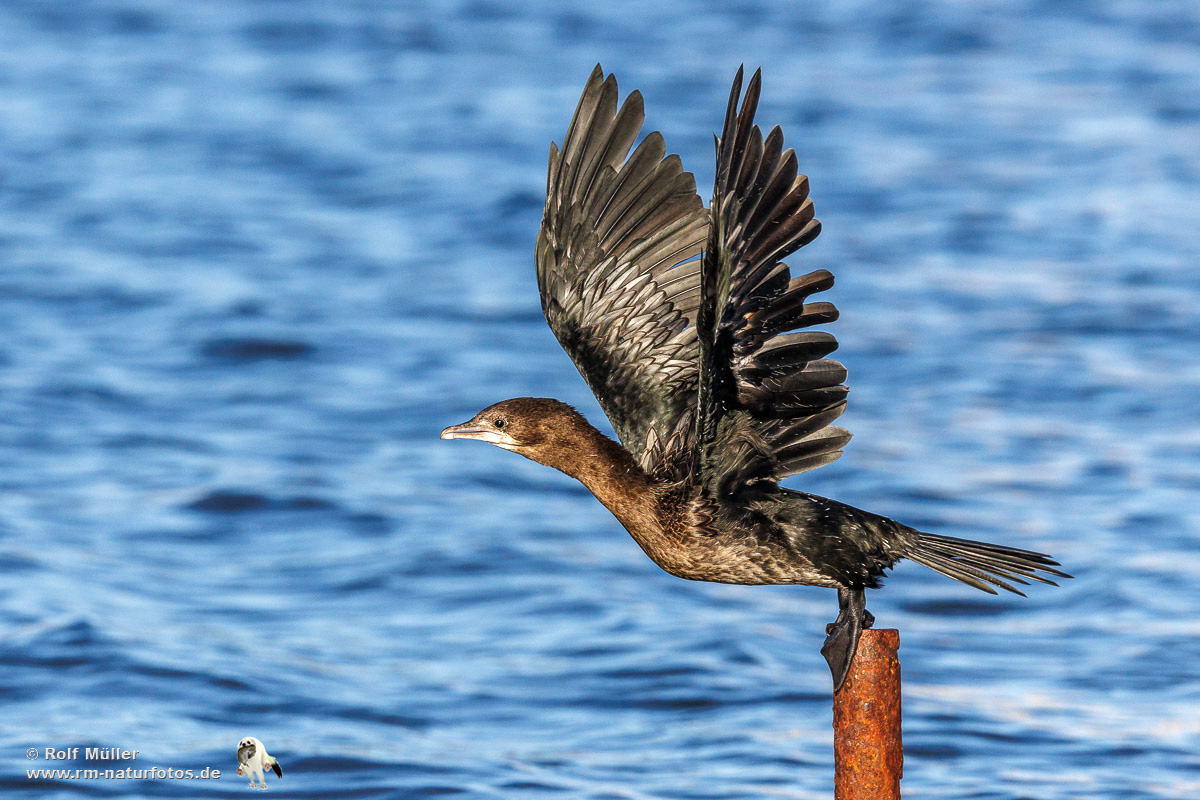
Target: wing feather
{"x": 615, "y": 268}
{"x": 686, "y": 355}
{"x": 766, "y": 397}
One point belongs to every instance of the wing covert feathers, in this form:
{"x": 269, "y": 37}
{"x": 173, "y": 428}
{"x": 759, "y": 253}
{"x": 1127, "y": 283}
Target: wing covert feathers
{"x": 766, "y": 396}
{"x": 616, "y": 233}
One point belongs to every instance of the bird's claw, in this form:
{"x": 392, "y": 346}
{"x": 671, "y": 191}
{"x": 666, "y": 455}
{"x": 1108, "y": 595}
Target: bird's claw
{"x": 868, "y": 620}
{"x": 843, "y": 633}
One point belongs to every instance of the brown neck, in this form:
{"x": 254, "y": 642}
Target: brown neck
{"x": 610, "y": 473}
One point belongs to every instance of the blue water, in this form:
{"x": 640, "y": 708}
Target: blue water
{"x": 254, "y": 256}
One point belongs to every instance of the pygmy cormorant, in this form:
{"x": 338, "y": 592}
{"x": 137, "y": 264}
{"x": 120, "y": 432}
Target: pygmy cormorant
{"x": 695, "y": 361}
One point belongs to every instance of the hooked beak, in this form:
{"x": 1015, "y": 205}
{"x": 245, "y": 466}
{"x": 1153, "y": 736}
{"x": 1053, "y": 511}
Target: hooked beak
{"x": 463, "y": 431}
{"x": 471, "y": 430}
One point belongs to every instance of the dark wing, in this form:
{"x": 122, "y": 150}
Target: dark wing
{"x": 765, "y": 395}
{"x": 614, "y": 290}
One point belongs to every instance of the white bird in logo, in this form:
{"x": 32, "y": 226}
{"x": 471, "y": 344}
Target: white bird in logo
{"x": 253, "y": 760}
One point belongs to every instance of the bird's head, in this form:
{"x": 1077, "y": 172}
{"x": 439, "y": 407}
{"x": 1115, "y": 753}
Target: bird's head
{"x": 539, "y": 428}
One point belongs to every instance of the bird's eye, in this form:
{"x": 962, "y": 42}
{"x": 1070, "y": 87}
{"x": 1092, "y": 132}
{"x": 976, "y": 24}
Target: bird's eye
{"x": 499, "y": 423}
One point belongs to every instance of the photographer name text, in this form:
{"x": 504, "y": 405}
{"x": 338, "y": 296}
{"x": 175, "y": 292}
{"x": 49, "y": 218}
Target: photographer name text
{"x": 91, "y": 754}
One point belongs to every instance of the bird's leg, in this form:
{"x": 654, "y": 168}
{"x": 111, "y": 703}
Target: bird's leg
{"x": 841, "y": 641}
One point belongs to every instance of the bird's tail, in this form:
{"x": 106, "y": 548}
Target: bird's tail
{"x": 983, "y": 565}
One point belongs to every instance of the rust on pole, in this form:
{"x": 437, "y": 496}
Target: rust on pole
{"x": 868, "y": 755}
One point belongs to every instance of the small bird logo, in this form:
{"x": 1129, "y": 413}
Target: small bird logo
{"x": 253, "y": 760}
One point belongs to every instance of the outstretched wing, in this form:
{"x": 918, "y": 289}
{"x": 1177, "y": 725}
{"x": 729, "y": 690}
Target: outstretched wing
{"x": 765, "y": 396}
{"x": 613, "y": 268}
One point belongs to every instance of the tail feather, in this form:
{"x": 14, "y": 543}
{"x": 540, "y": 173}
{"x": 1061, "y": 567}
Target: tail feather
{"x": 1012, "y": 567}
{"x": 980, "y": 563}
{"x": 963, "y": 573}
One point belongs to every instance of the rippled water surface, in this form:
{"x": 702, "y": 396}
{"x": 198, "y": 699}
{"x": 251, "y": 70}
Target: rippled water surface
{"x": 254, "y": 256}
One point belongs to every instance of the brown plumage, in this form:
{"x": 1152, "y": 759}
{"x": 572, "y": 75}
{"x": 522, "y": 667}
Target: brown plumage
{"x": 698, "y": 364}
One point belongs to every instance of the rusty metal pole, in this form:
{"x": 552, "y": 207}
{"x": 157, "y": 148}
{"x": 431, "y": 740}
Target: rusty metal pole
{"x": 868, "y": 756}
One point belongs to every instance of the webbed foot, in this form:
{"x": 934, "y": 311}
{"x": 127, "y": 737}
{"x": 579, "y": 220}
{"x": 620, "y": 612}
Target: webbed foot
{"x": 843, "y": 633}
